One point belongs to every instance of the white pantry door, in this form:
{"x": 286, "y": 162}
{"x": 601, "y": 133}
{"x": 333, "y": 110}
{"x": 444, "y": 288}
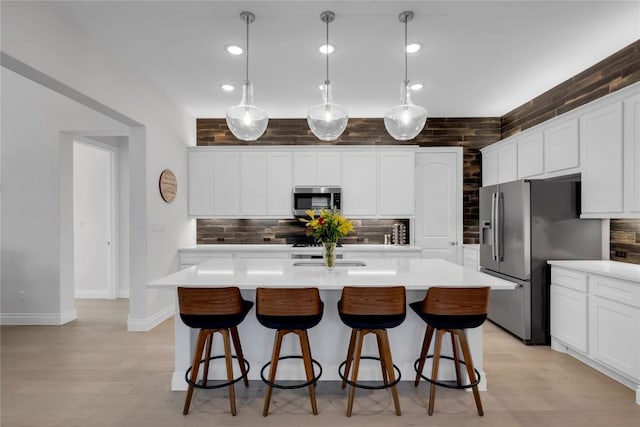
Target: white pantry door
{"x": 438, "y": 223}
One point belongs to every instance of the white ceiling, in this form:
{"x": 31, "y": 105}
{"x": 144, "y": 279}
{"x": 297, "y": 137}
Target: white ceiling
{"x": 478, "y": 58}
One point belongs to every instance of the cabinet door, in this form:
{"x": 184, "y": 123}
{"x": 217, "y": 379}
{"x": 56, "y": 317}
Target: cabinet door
{"x": 397, "y": 181}
{"x": 470, "y": 258}
{"x": 200, "y": 183}
{"x": 614, "y": 333}
{"x": 226, "y": 183}
{"x": 562, "y": 147}
{"x": 279, "y": 184}
{"x": 253, "y": 184}
{"x": 530, "y": 156}
{"x": 328, "y": 168}
{"x": 569, "y": 317}
{"x": 508, "y": 163}
{"x": 304, "y": 168}
{"x": 632, "y": 154}
{"x": 359, "y": 183}
{"x": 602, "y": 176}
{"x": 489, "y": 168}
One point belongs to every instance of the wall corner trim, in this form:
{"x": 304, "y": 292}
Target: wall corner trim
{"x": 148, "y": 323}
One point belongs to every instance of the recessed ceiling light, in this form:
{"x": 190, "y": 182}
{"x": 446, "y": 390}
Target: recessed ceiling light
{"x": 233, "y": 49}
{"x": 227, "y": 87}
{"x": 326, "y": 49}
{"x": 416, "y": 86}
{"x": 413, "y": 47}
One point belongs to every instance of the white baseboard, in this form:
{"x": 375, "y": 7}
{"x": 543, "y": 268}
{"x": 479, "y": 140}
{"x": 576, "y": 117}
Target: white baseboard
{"x": 147, "y": 324}
{"x": 122, "y": 293}
{"x": 91, "y": 293}
{"x": 49, "y": 319}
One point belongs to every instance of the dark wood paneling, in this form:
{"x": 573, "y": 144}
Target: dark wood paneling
{"x": 625, "y": 237}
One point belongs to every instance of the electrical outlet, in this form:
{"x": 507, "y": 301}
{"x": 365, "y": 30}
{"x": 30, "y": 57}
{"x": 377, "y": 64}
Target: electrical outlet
{"x": 621, "y": 254}
{"x": 21, "y": 296}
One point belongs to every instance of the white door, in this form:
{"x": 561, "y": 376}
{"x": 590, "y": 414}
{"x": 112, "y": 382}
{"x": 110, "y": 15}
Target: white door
{"x": 438, "y": 223}
{"x": 93, "y": 210}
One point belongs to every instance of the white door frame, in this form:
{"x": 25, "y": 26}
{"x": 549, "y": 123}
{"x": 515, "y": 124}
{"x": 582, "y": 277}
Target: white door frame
{"x": 113, "y": 267}
{"x": 458, "y": 151}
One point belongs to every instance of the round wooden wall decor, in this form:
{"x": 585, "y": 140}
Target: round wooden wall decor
{"x": 168, "y": 185}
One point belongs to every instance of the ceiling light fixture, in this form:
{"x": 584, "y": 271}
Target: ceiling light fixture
{"x": 233, "y": 49}
{"x": 416, "y": 86}
{"x": 227, "y": 87}
{"x": 246, "y": 121}
{"x": 413, "y": 47}
{"x": 327, "y": 121}
{"x": 326, "y": 49}
{"x": 405, "y": 121}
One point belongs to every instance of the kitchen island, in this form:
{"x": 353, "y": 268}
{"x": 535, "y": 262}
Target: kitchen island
{"x": 330, "y": 338}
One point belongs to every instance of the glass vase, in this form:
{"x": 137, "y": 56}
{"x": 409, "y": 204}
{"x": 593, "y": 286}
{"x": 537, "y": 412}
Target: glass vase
{"x": 329, "y": 254}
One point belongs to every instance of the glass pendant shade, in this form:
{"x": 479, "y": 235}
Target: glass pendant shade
{"x": 327, "y": 121}
{"x": 246, "y": 121}
{"x": 405, "y": 121}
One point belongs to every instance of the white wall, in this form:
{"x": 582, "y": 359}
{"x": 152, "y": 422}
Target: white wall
{"x": 32, "y": 119}
{"x": 61, "y": 52}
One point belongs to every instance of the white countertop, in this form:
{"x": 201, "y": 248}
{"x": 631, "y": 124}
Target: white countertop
{"x": 288, "y": 248}
{"x": 413, "y": 273}
{"x": 619, "y": 270}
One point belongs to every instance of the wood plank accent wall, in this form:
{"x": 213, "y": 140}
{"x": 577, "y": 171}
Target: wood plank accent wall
{"x": 469, "y": 133}
{"x": 609, "y": 75}
{"x": 625, "y": 239}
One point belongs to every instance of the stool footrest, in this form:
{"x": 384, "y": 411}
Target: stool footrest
{"x": 447, "y": 385}
{"x": 369, "y": 387}
{"x": 289, "y": 387}
{"x": 209, "y": 387}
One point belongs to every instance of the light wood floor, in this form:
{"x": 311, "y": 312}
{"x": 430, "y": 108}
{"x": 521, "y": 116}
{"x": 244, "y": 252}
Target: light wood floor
{"x": 92, "y": 372}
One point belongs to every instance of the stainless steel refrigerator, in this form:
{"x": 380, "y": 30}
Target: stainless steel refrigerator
{"x": 522, "y": 225}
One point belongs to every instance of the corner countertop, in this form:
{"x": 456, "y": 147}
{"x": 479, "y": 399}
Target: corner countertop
{"x": 619, "y": 270}
{"x": 289, "y": 248}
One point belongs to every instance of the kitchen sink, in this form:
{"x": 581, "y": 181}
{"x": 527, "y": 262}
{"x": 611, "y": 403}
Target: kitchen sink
{"x": 320, "y": 263}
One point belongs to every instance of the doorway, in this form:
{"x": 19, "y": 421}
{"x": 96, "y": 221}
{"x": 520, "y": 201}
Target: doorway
{"x": 95, "y": 219}
{"x": 438, "y": 223}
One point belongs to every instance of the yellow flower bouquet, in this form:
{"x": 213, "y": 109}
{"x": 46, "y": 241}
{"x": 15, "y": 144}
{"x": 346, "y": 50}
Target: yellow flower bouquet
{"x": 328, "y": 227}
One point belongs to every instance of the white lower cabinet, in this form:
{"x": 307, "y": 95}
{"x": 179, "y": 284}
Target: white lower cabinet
{"x": 596, "y": 318}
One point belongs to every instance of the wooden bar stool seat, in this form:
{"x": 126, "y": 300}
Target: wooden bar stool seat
{"x": 214, "y": 310}
{"x": 290, "y": 310}
{"x": 371, "y": 310}
{"x": 451, "y": 310}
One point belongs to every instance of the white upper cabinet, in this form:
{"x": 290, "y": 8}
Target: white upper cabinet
{"x": 602, "y": 161}
{"x": 200, "y": 183}
{"x": 508, "y": 163}
{"x": 279, "y": 184}
{"x": 396, "y": 183}
{"x": 253, "y": 185}
{"x": 317, "y": 168}
{"x": 489, "y": 168}
{"x": 632, "y": 154}
{"x": 562, "y": 147}
{"x": 360, "y": 183}
{"x": 531, "y": 156}
{"x": 226, "y": 183}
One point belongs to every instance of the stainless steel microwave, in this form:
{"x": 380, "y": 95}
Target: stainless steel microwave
{"x": 315, "y": 198}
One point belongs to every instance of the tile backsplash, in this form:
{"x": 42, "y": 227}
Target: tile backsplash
{"x": 625, "y": 240}
{"x": 286, "y": 231}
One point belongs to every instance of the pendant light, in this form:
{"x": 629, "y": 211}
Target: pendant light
{"x": 327, "y": 121}
{"x": 246, "y": 121}
{"x": 405, "y": 121}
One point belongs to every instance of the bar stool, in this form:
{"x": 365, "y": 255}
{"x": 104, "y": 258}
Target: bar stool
{"x": 214, "y": 310}
{"x": 290, "y": 310}
{"x": 451, "y": 310}
{"x": 371, "y": 310}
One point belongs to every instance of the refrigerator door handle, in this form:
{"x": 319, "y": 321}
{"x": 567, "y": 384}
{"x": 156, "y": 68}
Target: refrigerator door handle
{"x": 493, "y": 226}
{"x": 498, "y": 227}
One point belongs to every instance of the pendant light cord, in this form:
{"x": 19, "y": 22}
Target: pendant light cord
{"x": 247, "y": 49}
{"x": 405, "y": 52}
{"x": 326, "y": 82}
